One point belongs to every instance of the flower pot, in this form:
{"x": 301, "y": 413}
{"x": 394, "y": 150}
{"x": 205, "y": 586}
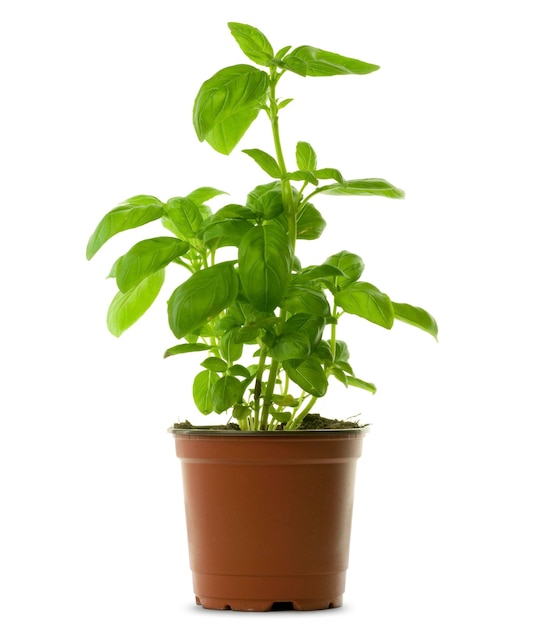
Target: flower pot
{"x": 268, "y": 516}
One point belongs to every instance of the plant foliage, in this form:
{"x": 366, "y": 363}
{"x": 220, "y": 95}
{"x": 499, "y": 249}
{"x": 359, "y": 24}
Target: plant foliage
{"x": 267, "y": 324}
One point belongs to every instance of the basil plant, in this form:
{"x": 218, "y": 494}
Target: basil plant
{"x": 267, "y": 326}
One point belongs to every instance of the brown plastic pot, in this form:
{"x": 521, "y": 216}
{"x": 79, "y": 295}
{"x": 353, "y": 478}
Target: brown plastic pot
{"x": 268, "y": 516}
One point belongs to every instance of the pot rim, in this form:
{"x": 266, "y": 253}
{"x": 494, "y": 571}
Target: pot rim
{"x": 213, "y": 431}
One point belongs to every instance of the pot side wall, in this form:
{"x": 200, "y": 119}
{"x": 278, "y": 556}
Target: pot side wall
{"x": 269, "y": 517}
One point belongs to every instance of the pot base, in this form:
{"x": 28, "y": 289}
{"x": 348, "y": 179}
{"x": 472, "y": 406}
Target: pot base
{"x": 226, "y": 604}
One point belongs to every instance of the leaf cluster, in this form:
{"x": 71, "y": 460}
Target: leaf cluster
{"x": 267, "y": 325}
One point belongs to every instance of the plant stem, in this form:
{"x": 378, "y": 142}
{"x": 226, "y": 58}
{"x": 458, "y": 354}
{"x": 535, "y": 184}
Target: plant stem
{"x": 267, "y": 400}
{"x": 296, "y": 421}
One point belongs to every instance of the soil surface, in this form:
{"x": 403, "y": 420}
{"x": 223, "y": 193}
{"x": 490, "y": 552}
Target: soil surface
{"x": 312, "y": 421}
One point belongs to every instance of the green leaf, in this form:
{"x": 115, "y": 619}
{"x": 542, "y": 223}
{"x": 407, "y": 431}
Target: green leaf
{"x": 232, "y": 211}
{"x": 132, "y": 213}
{"x": 309, "y": 223}
{"x": 266, "y": 200}
{"x": 308, "y": 375}
{"x": 361, "y": 384}
{"x": 365, "y": 300}
{"x": 330, "y": 172}
{"x": 184, "y": 348}
{"x": 283, "y": 103}
{"x": 145, "y": 258}
{"x": 305, "y": 175}
{"x": 316, "y": 272}
{"x": 306, "y": 159}
{"x": 126, "y": 308}
{"x": 230, "y": 348}
{"x": 350, "y": 264}
{"x": 203, "y": 194}
{"x": 200, "y": 298}
{"x": 416, "y": 317}
{"x": 265, "y": 161}
{"x": 253, "y": 43}
{"x": 364, "y": 187}
{"x": 202, "y": 390}
{"x": 305, "y": 299}
{"x": 227, "y": 104}
{"x": 265, "y": 265}
{"x": 226, "y": 392}
{"x": 309, "y": 61}
{"x": 300, "y": 336}
{"x": 214, "y": 364}
{"x": 230, "y": 232}
{"x": 185, "y": 216}
{"x": 239, "y": 370}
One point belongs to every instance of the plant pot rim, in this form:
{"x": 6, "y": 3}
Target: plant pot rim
{"x": 214, "y": 431}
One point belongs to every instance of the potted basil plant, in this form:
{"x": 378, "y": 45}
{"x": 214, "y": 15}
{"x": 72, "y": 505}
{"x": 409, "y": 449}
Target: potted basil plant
{"x": 269, "y": 494}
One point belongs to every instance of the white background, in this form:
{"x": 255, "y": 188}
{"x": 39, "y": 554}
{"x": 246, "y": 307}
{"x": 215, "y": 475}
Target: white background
{"x": 96, "y": 98}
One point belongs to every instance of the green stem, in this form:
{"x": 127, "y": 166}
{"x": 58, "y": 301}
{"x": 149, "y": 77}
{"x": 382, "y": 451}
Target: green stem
{"x": 296, "y": 421}
{"x": 268, "y": 395}
{"x": 258, "y": 389}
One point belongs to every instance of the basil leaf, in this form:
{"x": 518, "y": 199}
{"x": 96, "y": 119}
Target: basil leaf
{"x": 254, "y": 43}
{"x": 226, "y": 392}
{"x": 134, "y": 212}
{"x": 202, "y": 297}
{"x": 416, "y": 317}
{"x": 351, "y": 265}
{"x": 364, "y": 187}
{"x": 185, "y": 216}
{"x": 265, "y": 161}
{"x": 265, "y": 265}
{"x": 365, "y": 300}
{"x": 184, "y": 348}
{"x": 306, "y": 159}
{"x": 202, "y": 390}
{"x": 308, "y": 375}
{"x": 309, "y": 61}
{"x": 227, "y": 104}
{"x": 126, "y": 308}
{"x": 145, "y": 258}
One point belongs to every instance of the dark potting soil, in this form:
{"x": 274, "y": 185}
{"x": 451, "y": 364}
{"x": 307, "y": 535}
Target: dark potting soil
{"x": 312, "y": 421}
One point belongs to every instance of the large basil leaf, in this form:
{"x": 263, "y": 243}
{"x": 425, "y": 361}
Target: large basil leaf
{"x": 203, "y": 296}
{"x": 265, "y": 265}
{"x": 309, "y": 61}
{"x": 227, "y": 104}
{"x": 126, "y": 308}
{"x": 145, "y": 258}
{"x": 134, "y": 212}
{"x": 416, "y": 317}
{"x": 365, "y": 300}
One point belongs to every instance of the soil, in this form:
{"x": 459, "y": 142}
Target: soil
{"x": 312, "y": 421}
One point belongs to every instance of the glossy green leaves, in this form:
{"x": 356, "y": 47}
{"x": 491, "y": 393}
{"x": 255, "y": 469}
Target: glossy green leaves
{"x": 310, "y": 61}
{"x": 265, "y": 258}
{"x": 227, "y": 104}
{"x": 269, "y": 329}
{"x": 252, "y": 42}
{"x": 136, "y": 211}
{"x": 201, "y": 298}
{"x": 126, "y": 308}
